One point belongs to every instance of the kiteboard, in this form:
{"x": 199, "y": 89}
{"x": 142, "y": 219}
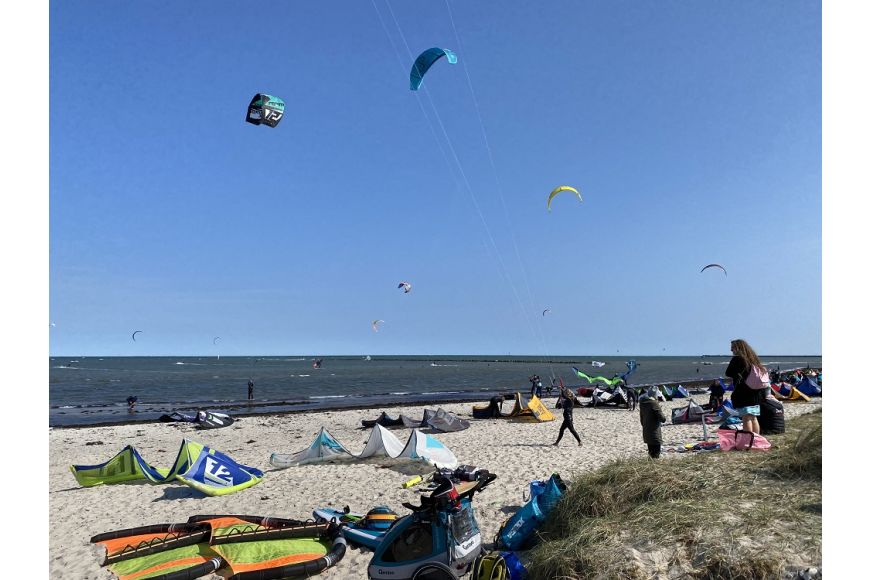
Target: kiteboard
{"x": 362, "y": 529}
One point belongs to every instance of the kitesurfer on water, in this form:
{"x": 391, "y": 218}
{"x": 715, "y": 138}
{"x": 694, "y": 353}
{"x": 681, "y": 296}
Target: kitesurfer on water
{"x": 566, "y": 397}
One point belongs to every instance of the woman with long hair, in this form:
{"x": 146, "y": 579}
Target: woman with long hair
{"x": 746, "y": 401}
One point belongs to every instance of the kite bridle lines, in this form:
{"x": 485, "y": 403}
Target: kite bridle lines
{"x": 502, "y": 269}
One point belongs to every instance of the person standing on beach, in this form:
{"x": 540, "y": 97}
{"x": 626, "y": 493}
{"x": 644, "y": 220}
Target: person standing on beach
{"x": 651, "y": 419}
{"x": 631, "y": 399}
{"x": 746, "y": 401}
{"x": 250, "y": 389}
{"x": 534, "y": 380}
{"x": 567, "y": 399}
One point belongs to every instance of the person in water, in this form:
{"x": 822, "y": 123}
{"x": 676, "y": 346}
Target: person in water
{"x": 566, "y": 397}
{"x": 651, "y": 419}
{"x": 746, "y": 401}
{"x": 131, "y": 402}
{"x": 250, "y": 389}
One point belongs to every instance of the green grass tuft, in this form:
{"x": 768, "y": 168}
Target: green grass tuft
{"x": 710, "y": 515}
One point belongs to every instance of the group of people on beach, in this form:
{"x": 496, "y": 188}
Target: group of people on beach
{"x": 745, "y": 399}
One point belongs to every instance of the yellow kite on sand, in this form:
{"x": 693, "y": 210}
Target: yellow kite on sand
{"x": 534, "y": 409}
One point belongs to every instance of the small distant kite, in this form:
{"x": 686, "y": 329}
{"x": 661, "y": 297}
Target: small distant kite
{"x": 544, "y": 313}
{"x": 52, "y": 324}
{"x": 375, "y": 324}
{"x": 266, "y": 110}
{"x": 426, "y": 59}
{"x": 720, "y": 266}
{"x": 134, "y": 334}
{"x": 560, "y": 189}
{"x": 215, "y": 339}
{"x": 406, "y": 286}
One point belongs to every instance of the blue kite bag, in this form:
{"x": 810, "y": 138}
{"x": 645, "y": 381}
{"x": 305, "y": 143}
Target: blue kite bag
{"x": 521, "y": 525}
{"x": 518, "y": 529}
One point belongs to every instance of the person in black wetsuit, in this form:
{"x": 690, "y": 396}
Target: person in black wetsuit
{"x": 567, "y": 399}
{"x": 250, "y": 390}
{"x": 746, "y": 401}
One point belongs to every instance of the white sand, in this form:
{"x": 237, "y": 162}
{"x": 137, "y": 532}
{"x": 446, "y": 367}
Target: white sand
{"x": 516, "y": 452}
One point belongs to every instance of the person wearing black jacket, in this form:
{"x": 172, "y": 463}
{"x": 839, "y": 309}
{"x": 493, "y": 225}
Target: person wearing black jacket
{"x": 651, "y": 419}
{"x": 745, "y": 399}
{"x": 567, "y": 399}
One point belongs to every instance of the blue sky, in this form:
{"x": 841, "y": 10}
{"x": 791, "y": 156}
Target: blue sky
{"x": 693, "y": 132}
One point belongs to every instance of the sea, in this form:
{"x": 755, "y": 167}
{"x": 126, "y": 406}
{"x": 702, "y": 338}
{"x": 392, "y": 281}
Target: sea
{"x": 93, "y": 390}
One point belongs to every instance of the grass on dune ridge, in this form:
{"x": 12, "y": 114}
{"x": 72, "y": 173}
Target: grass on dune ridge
{"x": 710, "y": 515}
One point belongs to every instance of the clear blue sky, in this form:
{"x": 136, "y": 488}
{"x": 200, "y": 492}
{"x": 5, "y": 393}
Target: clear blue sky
{"x": 693, "y": 131}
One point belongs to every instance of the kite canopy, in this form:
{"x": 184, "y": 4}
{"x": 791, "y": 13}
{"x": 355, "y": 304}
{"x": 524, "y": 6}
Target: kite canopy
{"x": 375, "y": 324}
{"x": 234, "y": 546}
{"x": 381, "y": 443}
{"x": 544, "y": 313}
{"x": 198, "y": 466}
{"x": 560, "y": 189}
{"x": 609, "y": 382}
{"x": 406, "y": 286}
{"x": 215, "y": 339}
{"x": 134, "y": 334}
{"x": 533, "y": 409}
{"x": 265, "y": 109}
{"x": 721, "y": 267}
{"x": 425, "y": 61}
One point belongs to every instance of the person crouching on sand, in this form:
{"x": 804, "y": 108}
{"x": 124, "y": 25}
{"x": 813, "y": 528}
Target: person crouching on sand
{"x": 567, "y": 399}
{"x": 651, "y": 419}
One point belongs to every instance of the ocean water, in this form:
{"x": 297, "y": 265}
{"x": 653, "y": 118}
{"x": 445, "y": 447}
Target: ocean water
{"x": 89, "y": 390}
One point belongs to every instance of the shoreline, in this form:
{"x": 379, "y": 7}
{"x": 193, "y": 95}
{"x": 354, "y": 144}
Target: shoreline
{"x": 288, "y": 408}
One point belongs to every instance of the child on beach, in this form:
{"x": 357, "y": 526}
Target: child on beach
{"x": 651, "y": 419}
{"x": 566, "y": 397}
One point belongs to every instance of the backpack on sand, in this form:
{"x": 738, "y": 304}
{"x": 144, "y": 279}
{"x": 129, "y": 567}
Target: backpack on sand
{"x": 490, "y": 567}
{"x": 758, "y": 378}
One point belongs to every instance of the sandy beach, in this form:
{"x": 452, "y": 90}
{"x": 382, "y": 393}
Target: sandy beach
{"x": 516, "y": 451}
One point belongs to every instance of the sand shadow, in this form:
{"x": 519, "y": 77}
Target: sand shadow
{"x": 509, "y": 509}
{"x": 179, "y": 492}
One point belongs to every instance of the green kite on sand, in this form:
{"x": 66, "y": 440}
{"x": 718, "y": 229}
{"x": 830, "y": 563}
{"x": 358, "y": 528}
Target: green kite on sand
{"x": 236, "y": 547}
{"x": 609, "y": 382}
{"x": 198, "y": 466}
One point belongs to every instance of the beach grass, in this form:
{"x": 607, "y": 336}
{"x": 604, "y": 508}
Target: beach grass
{"x": 728, "y": 515}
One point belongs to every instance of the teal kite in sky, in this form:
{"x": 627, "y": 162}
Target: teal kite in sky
{"x": 426, "y": 59}
{"x": 265, "y": 109}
